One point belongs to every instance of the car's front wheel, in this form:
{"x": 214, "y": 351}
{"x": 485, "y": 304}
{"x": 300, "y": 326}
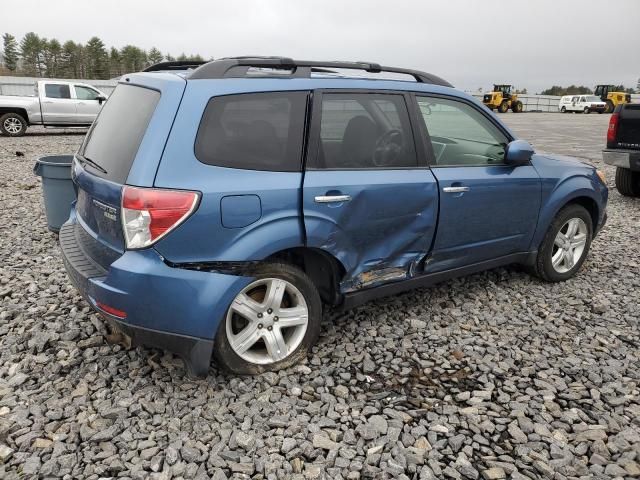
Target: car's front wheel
{"x": 565, "y": 245}
{"x": 272, "y": 323}
{"x": 586, "y": 110}
{"x": 563, "y": 110}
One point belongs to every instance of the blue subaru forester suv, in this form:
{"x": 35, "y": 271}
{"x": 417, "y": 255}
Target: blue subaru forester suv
{"x": 218, "y": 208}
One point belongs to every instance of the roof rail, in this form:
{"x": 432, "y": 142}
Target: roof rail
{"x": 174, "y": 65}
{"x": 234, "y": 67}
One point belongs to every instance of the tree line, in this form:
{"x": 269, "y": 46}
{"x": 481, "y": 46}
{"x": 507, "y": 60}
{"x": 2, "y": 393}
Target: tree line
{"x": 581, "y": 90}
{"x": 35, "y": 56}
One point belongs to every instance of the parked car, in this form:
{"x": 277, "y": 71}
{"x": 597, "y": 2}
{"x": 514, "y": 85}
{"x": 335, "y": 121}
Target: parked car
{"x": 55, "y": 104}
{"x": 581, "y": 103}
{"x": 623, "y": 148}
{"x": 218, "y": 210}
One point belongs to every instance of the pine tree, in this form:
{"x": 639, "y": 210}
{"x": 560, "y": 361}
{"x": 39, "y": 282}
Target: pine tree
{"x": 52, "y": 57}
{"x": 71, "y": 59}
{"x": 154, "y": 56}
{"x": 97, "y": 59}
{"x": 133, "y": 58}
{"x": 32, "y": 53}
{"x": 115, "y": 63}
{"x": 11, "y": 52}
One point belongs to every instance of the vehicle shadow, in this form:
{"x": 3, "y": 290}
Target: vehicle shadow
{"x": 56, "y": 134}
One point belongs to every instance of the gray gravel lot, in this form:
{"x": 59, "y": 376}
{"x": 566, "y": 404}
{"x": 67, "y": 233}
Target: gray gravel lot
{"x": 493, "y": 376}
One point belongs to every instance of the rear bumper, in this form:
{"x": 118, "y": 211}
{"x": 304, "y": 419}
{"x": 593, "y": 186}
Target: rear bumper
{"x": 622, "y": 158}
{"x": 171, "y": 308}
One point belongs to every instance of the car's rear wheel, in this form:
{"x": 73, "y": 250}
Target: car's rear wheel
{"x": 13, "y": 125}
{"x": 628, "y": 182}
{"x": 566, "y": 244}
{"x": 272, "y": 323}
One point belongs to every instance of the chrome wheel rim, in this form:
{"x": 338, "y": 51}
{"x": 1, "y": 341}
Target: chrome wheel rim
{"x": 13, "y": 125}
{"x": 569, "y": 245}
{"x": 267, "y": 321}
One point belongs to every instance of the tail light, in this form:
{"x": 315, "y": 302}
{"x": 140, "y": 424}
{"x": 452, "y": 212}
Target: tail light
{"x": 613, "y": 128}
{"x": 148, "y": 214}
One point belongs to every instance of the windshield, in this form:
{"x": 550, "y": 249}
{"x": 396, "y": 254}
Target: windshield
{"x": 114, "y": 139}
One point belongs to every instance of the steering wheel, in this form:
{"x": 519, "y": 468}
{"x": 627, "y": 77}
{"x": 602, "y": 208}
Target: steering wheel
{"x": 388, "y": 148}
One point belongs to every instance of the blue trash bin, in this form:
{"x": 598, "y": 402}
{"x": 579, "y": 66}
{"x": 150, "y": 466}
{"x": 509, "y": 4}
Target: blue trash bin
{"x": 57, "y": 188}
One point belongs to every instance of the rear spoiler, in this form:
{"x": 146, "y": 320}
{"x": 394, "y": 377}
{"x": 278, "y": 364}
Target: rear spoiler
{"x": 174, "y": 66}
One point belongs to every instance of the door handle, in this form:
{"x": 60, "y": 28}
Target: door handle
{"x": 455, "y": 189}
{"x": 332, "y": 198}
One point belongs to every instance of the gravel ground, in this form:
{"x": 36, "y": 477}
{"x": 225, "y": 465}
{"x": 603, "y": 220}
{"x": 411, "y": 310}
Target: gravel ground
{"x": 493, "y": 376}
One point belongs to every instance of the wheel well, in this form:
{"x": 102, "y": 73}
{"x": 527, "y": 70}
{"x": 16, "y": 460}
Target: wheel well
{"x": 324, "y": 269}
{"x": 20, "y": 111}
{"x": 590, "y": 205}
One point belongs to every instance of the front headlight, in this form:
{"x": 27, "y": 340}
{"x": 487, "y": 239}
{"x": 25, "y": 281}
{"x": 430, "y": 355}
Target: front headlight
{"x": 602, "y": 176}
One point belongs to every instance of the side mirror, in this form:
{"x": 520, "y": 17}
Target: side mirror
{"x": 101, "y": 99}
{"x": 518, "y": 152}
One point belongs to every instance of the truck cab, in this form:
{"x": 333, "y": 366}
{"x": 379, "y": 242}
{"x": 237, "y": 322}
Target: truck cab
{"x": 55, "y": 103}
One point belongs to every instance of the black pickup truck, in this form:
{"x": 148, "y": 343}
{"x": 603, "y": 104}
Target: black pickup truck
{"x": 623, "y": 148}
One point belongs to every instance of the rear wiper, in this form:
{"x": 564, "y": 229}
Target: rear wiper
{"x": 94, "y": 164}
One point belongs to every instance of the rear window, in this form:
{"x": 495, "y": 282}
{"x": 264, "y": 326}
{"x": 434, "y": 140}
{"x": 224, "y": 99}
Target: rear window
{"x": 115, "y": 136}
{"x": 254, "y": 131}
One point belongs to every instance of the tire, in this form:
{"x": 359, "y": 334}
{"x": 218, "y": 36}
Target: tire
{"x": 610, "y": 107}
{"x": 504, "y": 106}
{"x": 13, "y": 125}
{"x": 544, "y": 267}
{"x": 586, "y": 110}
{"x": 628, "y": 182}
{"x": 516, "y": 107}
{"x": 254, "y": 356}
{"x": 563, "y": 110}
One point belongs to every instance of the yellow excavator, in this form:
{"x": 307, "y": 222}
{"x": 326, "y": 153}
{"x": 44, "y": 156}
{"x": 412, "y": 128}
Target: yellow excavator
{"x": 502, "y": 99}
{"x": 608, "y": 94}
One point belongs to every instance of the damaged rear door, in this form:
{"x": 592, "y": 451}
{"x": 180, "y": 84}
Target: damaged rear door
{"x": 368, "y": 198}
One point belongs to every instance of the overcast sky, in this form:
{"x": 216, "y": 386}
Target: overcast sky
{"x": 471, "y": 43}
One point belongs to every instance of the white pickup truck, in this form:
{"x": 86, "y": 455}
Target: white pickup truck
{"x": 57, "y": 104}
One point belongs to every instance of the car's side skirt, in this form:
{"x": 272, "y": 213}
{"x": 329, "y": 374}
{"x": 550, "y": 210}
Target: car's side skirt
{"x": 354, "y": 299}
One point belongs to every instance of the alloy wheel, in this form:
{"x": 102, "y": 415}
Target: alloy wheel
{"x": 267, "y": 321}
{"x": 569, "y": 245}
{"x": 12, "y": 125}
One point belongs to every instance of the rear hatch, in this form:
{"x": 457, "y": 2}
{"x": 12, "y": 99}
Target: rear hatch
{"x": 123, "y": 146}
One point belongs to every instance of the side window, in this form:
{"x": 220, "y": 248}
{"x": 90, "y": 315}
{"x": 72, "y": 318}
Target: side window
{"x": 56, "y": 90}
{"x": 254, "y": 131}
{"x": 364, "y": 131}
{"x": 86, "y": 93}
{"x": 461, "y": 135}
